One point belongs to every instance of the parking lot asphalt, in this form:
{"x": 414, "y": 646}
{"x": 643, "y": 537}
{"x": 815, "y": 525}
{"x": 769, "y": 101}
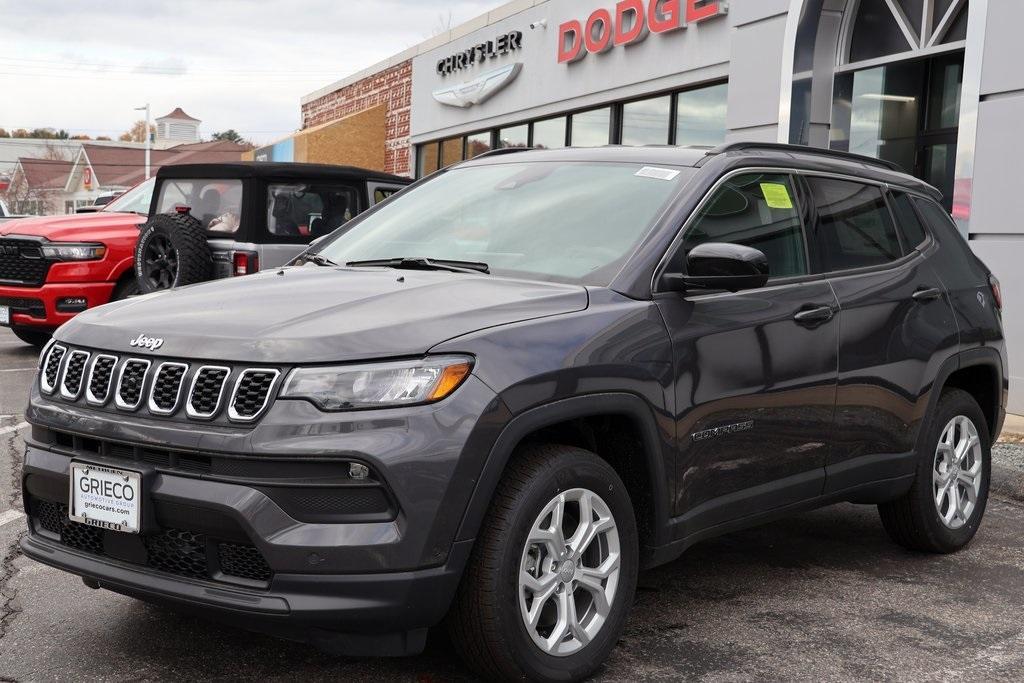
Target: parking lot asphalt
{"x": 820, "y": 596}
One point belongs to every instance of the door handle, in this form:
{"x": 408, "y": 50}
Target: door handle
{"x": 812, "y": 316}
{"x": 929, "y": 294}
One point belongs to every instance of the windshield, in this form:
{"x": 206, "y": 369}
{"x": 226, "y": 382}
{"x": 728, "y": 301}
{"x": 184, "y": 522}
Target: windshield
{"x": 135, "y": 200}
{"x": 562, "y": 221}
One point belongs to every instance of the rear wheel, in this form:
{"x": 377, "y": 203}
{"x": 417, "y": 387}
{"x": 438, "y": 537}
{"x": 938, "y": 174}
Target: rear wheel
{"x": 944, "y": 507}
{"x": 37, "y": 338}
{"x": 553, "y": 571}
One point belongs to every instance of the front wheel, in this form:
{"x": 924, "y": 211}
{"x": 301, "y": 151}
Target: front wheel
{"x": 553, "y": 571}
{"x": 36, "y": 338}
{"x": 943, "y": 509}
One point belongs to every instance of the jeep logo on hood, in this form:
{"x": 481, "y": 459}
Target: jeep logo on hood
{"x": 144, "y": 342}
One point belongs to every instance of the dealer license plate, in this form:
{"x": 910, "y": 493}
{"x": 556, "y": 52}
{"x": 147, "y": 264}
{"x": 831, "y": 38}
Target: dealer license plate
{"x": 105, "y": 497}
{"x": 5, "y": 315}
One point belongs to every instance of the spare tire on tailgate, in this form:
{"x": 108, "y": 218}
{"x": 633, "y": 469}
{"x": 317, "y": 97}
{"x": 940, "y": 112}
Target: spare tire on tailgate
{"x": 172, "y": 251}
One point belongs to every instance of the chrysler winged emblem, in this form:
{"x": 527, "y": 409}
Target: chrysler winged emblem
{"x": 480, "y": 89}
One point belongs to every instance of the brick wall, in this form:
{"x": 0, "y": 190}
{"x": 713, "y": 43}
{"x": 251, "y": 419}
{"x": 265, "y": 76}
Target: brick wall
{"x": 392, "y": 88}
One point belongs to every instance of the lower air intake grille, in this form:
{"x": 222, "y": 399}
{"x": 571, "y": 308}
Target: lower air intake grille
{"x": 177, "y": 551}
{"x": 243, "y": 561}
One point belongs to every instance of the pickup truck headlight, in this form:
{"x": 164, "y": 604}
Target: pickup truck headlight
{"x": 378, "y": 385}
{"x": 67, "y": 251}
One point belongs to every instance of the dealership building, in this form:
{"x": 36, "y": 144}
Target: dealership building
{"x": 934, "y": 85}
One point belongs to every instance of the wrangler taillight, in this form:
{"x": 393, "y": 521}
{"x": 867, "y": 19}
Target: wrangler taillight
{"x": 245, "y": 263}
{"x": 997, "y": 291}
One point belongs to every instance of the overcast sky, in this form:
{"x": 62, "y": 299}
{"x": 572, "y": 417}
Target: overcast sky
{"x": 239, "y": 64}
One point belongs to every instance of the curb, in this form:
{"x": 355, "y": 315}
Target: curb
{"x": 1007, "y": 482}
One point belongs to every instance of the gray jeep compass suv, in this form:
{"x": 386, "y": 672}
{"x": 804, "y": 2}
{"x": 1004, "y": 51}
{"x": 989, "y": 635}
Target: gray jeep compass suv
{"x": 495, "y": 398}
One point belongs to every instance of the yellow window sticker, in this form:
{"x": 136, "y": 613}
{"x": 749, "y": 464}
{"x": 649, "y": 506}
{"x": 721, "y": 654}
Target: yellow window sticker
{"x": 777, "y": 196}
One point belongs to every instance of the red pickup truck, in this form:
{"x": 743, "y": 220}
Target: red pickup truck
{"x": 53, "y": 267}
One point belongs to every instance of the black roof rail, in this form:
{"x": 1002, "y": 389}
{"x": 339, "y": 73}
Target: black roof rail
{"x": 503, "y": 150}
{"x": 741, "y": 146}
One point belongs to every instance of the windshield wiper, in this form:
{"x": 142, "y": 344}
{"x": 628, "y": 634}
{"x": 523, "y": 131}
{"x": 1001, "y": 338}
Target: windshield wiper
{"x": 423, "y": 263}
{"x": 318, "y": 259}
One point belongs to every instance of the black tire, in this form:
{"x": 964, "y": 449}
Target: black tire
{"x": 128, "y": 286}
{"x": 914, "y": 520}
{"x": 36, "y": 338}
{"x": 172, "y": 251}
{"x": 485, "y": 622}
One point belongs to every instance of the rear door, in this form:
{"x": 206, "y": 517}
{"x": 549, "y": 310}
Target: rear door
{"x": 895, "y": 325}
{"x": 755, "y": 371}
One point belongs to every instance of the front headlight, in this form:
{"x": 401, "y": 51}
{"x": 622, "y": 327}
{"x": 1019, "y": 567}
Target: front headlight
{"x": 67, "y": 251}
{"x": 378, "y": 385}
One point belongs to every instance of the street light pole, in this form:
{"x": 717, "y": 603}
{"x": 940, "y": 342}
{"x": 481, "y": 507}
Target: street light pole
{"x": 147, "y": 136}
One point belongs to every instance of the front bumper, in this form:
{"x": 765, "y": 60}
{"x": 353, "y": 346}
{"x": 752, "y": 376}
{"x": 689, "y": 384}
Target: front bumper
{"x": 333, "y": 578}
{"x": 36, "y": 307}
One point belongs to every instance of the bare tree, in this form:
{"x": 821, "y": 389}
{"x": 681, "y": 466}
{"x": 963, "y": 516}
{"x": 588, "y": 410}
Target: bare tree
{"x": 23, "y": 198}
{"x": 443, "y": 24}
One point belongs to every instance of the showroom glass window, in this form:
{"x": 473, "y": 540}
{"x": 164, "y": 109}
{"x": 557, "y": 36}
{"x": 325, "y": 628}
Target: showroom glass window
{"x": 515, "y": 136}
{"x": 854, "y": 228}
{"x": 756, "y": 210}
{"x": 477, "y": 144}
{"x": 216, "y": 204}
{"x": 646, "y": 122}
{"x": 427, "y": 159}
{"x": 591, "y": 128}
{"x": 549, "y": 133}
{"x": 451, "y": 151}
{"x": 701, "y": 116}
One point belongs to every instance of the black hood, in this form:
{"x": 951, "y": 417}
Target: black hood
{"x": 318, "y": 314}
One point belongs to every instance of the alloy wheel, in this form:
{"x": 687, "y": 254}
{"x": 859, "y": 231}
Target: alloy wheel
{"x": 569, "y": 572}
{"x": 957, "y": 472}
{"x": 160, "y": 261}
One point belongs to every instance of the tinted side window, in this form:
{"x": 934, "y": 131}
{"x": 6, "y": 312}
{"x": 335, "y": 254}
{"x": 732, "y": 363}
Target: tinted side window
{"x": 756, "y": 210}
{"x": 910, "y": 223}
{"x": 308, "y": 209}
{"x": 853, "y": 227}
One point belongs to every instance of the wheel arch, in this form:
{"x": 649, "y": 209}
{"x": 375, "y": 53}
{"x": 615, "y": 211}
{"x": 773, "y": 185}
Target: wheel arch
{"x": 555, "y": 422}
{"x": 979, "y": 372}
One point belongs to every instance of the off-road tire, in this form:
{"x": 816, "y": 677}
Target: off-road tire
{"x": 187, "y": 242}
{"x": 913, "y": 520}
{"x": 128, "y": 286}
{"x": 485, "y": 624}
{"x": 36, "y": 338}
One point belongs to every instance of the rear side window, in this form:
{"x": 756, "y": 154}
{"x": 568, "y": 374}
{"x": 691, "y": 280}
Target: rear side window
{"x": 216, "y": 204}
{"x": 910, "y": 223}
{"x": 756, "y": 210}
{"x": 853, "y": 226}
{"x": 308, "y": 209}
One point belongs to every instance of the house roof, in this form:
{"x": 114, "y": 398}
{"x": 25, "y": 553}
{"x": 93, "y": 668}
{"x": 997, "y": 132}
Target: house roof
{"x": 178, "y": 114}
{"x": 126, "y": 166}
{"x": 45, "y": 174}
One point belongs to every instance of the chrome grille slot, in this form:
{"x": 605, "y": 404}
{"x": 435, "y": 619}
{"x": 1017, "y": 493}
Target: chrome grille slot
{"x": 251, "y": 393}
{"x": 130, "y": 381}
{"x": 51, "y": 368}
{"x": 166, "y": 389}
{"x": 74, "y": 372}
{"x": 207, "y": 389}
{"x": 97, "y": 388}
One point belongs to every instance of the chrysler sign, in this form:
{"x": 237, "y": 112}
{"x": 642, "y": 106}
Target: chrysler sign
{"x": 630, "y": 22}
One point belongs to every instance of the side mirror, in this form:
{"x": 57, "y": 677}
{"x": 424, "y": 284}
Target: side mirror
{"x": 718, "y": 265}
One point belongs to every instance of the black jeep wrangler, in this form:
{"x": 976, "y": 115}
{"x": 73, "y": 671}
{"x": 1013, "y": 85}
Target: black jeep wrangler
{"x": 210, "y": 221}
{"x": 499, "y": 396}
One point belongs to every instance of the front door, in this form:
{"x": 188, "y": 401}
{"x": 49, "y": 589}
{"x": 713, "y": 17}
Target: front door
{"x": 755, "y": 371}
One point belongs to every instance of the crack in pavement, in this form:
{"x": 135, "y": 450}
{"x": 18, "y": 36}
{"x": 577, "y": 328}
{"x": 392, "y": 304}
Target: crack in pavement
{"x": 9, "y": 610}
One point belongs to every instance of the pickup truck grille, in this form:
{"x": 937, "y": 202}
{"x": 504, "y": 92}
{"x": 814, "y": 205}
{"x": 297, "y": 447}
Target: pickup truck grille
{"x": 22, "y": 263}
{"x": 164, "y": 388}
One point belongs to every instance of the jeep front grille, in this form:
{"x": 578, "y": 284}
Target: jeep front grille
{"x": 218, "y": 393}
{"x": 51, "y": 368}
{"x": 74, "y": 369}
{"x": 163, "y": 397}
{"x": 251, "y": 394}
{"x": 97, "y": 391}
{"x": 130, "y": 383}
